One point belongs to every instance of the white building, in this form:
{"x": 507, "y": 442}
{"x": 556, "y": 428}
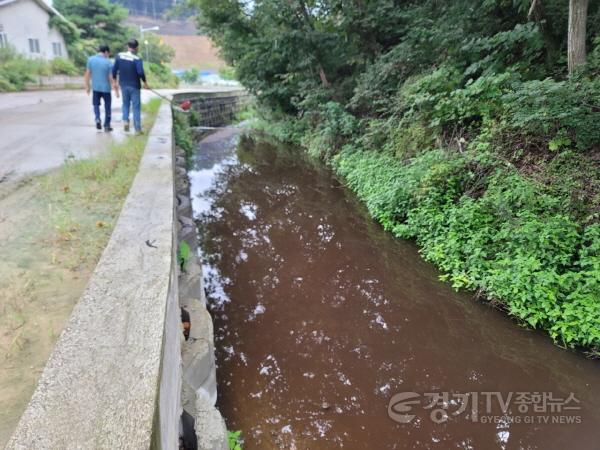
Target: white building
{"x": 24, "y": 26}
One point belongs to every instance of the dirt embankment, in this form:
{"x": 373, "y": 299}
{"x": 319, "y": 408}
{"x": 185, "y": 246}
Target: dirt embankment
{"x": 194, "y": 51}
{"x": 39, "y": 287}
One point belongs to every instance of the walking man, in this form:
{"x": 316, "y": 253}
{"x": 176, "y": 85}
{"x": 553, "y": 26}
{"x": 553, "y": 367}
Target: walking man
{"x": 99, "y": 70}
{"x": 129, "y": 71}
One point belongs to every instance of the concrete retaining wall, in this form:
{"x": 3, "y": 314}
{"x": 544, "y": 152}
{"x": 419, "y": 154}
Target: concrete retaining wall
{"x": 56, "y": 82}
{"x": 216, "y": 109}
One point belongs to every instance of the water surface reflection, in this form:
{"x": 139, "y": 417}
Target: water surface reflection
{"x": 320, "y": 317}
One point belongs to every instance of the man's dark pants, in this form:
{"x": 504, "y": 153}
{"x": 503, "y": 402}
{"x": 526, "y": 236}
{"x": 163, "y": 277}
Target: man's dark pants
{"x": 105, "y": 96}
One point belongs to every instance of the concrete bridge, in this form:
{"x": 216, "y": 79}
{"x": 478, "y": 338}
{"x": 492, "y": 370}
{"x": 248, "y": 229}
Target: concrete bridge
{"x": 122, "y": 374}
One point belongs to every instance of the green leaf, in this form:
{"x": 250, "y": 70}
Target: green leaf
{"x": 183, "y": 255}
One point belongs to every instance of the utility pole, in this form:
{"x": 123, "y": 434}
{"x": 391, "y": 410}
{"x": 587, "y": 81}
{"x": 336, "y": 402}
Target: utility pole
{"x": 142, "y": 31}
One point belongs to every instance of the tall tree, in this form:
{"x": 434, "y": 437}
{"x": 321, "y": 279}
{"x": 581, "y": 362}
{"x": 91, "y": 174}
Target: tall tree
{"x": 578, "y": 11}
{"x": 99, "y": 21}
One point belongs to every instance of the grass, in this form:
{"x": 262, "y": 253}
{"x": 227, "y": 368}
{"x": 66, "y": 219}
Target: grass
{"x": 84, "y": 198}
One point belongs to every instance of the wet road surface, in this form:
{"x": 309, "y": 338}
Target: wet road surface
{"x": 41, "y": 129}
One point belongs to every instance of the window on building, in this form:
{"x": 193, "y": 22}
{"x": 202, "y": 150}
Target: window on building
{"x": 3, "y": 40}
{"x": 57, "y": 48}
{"x": 34, "y": 45}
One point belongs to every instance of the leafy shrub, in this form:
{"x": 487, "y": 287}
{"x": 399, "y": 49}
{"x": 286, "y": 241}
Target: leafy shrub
{"x": 234, "y": 440}
{"x": 382, "y": 79}
{"x": 182, "y": 134}
{"x": 161, "y": 76}
{"x": 419, "y": 96}
{"x": 555, "y": 113}
{"x": 62, "y": 66}
{"x": 190, "y": 76}
{"x": 406, "y": 141}
{"x": 16, "y": 70}
{"x": 284, "y": 129}
{"x": 593, "y": 63}
{"x": 520, "y": 49}
{"x": 227, "y": 73}
{"x": 335, "y": 125}
{"x": 439, "y": 99}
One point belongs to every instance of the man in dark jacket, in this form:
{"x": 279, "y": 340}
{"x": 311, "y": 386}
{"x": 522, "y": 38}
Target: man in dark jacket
{"x": 129, "y": 71}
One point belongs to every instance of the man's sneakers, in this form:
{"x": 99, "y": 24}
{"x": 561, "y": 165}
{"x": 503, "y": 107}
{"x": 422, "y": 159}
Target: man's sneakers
{"x": 126, "y": 126}
{"x": 108, "y": 129}
{"x": 98, "y": 125}
{"x": 139, "y": 132}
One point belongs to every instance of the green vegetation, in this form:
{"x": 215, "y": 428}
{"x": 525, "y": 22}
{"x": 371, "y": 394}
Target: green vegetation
{"x": 88, "y": 25}
{"x": 227, "y": 73}
{"x": 190, "y": 76}
{"x": 91, "y": 23}
{"x": 235, "y": 440}
{"x": 182, "y": 133}
{"x": 86, "y": 195}
{"x": 155, "y": 9}
{"x": 16, "y": 70}
{"x": 463, "y": 124}
{"x": 160, "y": 76}
{"x": 157, "y": 56}
{"x": 96, "y": 22}
{"x": 183, "y": 255}
{"x": 62, "y": 66}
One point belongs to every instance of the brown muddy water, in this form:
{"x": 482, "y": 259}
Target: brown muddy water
{"x": 321, "y": 318}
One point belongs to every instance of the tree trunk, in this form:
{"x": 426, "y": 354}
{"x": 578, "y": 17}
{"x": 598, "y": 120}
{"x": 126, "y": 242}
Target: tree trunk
{"x": 538, "y": 15}
{"x": 311, "y": 27}
{"x": 577, "y": 33}
{"x": 323, "y": 77}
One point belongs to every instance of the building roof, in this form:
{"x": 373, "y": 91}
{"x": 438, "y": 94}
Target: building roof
{"x": 41, "y": 3}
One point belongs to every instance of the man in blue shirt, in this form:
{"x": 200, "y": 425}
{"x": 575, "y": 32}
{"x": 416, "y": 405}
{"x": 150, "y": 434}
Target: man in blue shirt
{"x": 129, "y": 70}
{"x": 99, "y": 69}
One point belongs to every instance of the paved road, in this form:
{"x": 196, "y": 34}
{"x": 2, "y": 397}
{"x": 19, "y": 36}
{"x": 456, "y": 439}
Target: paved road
{"x": 40, "y": 129}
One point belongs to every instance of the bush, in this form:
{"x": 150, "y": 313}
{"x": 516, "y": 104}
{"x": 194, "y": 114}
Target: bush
{"x": 519, "y": 49}
{"x": 16, "y": 70}
{"x": 440, "y": 99}
{"x": 183, "y": 135}
{"x": 335, "y": 126}
{"x": 555, "y": 114}
{"x": 190, "y": 76}
{"x": 62, "y": 66}
{"x": 160, "y": 76}
{"x": 227, "y": 73}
